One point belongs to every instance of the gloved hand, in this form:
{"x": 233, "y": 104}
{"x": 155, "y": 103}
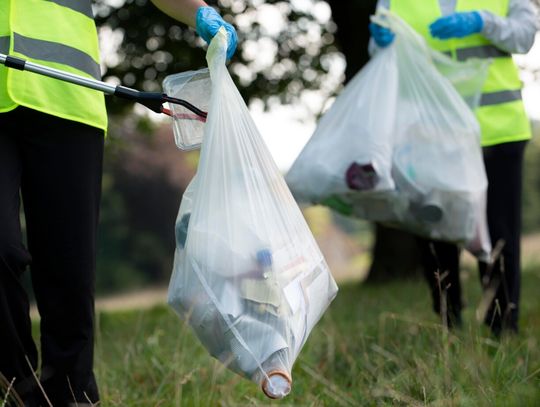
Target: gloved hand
{"x": 382, "y": 36}
{"x": 457, "y": 25}
{"x": 208, "y": 23}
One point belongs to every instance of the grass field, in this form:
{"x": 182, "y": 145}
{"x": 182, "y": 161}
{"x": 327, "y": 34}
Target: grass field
{"x": 376, "y": 345}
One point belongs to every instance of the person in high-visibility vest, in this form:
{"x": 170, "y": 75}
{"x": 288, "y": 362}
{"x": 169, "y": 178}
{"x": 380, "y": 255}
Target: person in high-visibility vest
{"x": 481, "y": 29}
{"x": 51, "y": 152}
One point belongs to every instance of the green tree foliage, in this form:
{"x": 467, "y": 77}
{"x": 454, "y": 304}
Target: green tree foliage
{"x": 284, "y": 47}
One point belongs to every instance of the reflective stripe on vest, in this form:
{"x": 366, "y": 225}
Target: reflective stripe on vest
{"x": 485, "y": 52}
{"x": 481, "y": 51}
{"x": 83, "y": 7}
{"x": 497, "y": 98}
{"x": 54, "y": 52}
{"x": 4, "y": 45}
{"x": 501, "y": 113}
{"x": 67, "y": 41}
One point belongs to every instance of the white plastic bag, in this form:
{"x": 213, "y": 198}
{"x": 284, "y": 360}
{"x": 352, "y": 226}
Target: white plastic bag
{"x": 248, "y": 275}
{"x": 401, "y": 105}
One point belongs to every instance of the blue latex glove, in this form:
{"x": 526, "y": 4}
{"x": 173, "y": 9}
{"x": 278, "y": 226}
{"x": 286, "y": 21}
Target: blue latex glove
{"x": 208, "y": 23}
{"x": 457, "y": 25}
{"x": 382, "y": 36}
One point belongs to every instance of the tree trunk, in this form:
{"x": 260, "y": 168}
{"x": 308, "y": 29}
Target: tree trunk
{"x": 352, "y": 21}
{"x": 395, "y": 254}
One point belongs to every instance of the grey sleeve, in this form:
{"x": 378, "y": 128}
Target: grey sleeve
{"x": 383, "y": 3}
{"x": 514, "y": 33}
{"x": 373, "y": 48}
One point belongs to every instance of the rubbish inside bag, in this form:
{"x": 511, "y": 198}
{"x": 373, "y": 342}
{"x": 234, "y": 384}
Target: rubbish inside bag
{"x": 248, "y": 276}
{"x": 250, "y": 309}
{"x": 181, "y": 230}
{"x": 401, "y": 146}
{"x": 362, "y": 177}
{"x": 255, "y": 321}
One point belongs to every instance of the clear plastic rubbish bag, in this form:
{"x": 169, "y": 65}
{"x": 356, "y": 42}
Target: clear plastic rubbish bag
{"x": 194, "y": 86}
{"x": 248, "y": 275}
{"x": 431, "y": 180}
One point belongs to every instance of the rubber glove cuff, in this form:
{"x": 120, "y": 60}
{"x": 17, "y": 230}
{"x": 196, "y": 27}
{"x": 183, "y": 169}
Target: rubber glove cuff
{"x": 207, "y": 24}
{"x": 382, "y": 36}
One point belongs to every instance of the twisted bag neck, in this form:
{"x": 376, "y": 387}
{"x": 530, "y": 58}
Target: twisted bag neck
{"x": 403, "y": 31}
{"x": 216, "y": 56}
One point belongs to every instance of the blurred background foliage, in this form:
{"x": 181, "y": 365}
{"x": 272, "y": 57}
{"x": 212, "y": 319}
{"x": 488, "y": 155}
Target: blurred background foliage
{"x": 145, "y": 175}
{"x": 284, "y": 48}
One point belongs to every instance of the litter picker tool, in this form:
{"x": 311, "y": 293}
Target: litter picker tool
{"x": 152, "y": 100}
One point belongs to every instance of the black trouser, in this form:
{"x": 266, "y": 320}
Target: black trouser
{"x": 56, "y": 166}
{"x": 504, "y": 168}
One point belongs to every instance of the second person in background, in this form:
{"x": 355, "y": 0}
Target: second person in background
{"x": 481, "y": 29}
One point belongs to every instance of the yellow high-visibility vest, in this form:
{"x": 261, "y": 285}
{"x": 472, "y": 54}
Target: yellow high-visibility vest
{"x": 60, "y": 34}
{"x": 501, "y": 112}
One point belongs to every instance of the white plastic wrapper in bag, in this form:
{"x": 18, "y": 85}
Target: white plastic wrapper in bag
{"x": 401, "y": 146}
{"x": 248, "y": 275}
